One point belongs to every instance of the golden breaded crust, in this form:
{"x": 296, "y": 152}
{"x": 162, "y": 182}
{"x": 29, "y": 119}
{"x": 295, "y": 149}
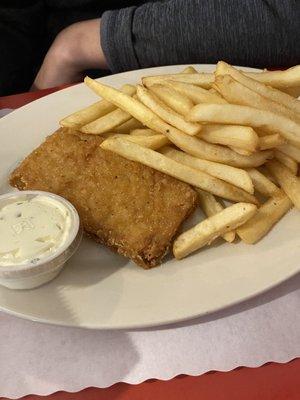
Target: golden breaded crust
{"x": 122, "y": 204}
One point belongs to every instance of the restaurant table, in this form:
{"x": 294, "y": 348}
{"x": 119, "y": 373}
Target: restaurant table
{"x": 272, "y": 381}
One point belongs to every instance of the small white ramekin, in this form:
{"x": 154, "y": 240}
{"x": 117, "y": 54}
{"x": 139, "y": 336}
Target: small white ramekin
{"x": 28, "y": 275}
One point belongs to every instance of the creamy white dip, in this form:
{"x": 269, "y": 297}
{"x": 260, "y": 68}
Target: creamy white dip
{"x": 31, "y": 229}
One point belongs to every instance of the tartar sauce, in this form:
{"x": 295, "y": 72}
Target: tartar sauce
{"x": 31, "y": 229}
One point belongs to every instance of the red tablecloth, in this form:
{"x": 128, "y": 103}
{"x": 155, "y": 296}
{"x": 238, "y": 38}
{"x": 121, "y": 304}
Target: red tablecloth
{"x": 269, "y": 382}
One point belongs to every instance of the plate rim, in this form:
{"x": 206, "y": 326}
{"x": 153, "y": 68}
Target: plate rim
{"x": 168, "y": 324}
{"x": 137, "y": 326}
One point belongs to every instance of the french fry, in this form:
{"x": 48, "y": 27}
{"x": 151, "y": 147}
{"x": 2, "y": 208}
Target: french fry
{"x": 265, "y": 218}
{"x": 151, "y": 142}
{"x": 262, "y": 184}
{"x": 94, "y": 111}
{"x": 236, "y": 93}
{"x": 88, "y": 114}
{"x": 261, "y": 132}
{"x": 270, "y": 141}
{"x": 110, "y": 120}
{"x": 292, "y": 91}
{"x": 258, "y": 87}
{"x": 296, "y": 144}
{"x": 211, "y": 228}
{"x": 190, "y": 70}
{"x": 133, "y": 106}
{"x": 195, "y": 93}
{"x": 282, "y": 80}
{"x": 287, "y": 161}
{"x": 262, "y": 169}
{"x": 128, "y": 126}
{"x": 128, "y": 89}
{"x": 177, "y": 101}
{"x": 143, "y": 132}
{"x": 106, "y": 123}
{"x": 155, "y": 160}
{"x": 211, "y": 206}
{"x": 243, "y": 152}
{"x": 230, "y": 135}
{"x": 289, "y": 183}
{"x": 199, "y": 79}
{"x": 166, "y": 113}
{"x": 235, "y": 176}
{"x": 244, "y": 115}
{"x": 213, "y": 152}
{"x": 291, "y": 151}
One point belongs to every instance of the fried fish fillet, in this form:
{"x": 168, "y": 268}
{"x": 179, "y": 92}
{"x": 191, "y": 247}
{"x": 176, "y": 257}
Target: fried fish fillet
{"x": 122, "y": 204}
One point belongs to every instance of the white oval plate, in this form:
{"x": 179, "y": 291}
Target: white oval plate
{"x": 99, "y": 289}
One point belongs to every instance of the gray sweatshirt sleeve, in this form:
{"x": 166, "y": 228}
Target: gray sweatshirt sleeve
{"x": 256, "y": 33}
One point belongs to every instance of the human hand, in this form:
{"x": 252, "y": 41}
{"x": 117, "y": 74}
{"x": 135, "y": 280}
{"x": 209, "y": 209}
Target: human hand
{"x": 75, "y": 49}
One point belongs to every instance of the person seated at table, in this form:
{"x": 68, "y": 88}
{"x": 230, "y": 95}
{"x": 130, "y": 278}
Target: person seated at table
{"x": 256, "y": 33}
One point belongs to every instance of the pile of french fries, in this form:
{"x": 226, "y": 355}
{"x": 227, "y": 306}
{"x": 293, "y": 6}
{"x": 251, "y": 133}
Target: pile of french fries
{"x": 231, "y": 135}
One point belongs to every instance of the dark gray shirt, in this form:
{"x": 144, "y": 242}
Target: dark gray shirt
{"x": 258, "y": 33}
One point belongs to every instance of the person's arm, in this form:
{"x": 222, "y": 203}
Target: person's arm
{"x": 259, "y": 33}
{"x": 74, "y": 50}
